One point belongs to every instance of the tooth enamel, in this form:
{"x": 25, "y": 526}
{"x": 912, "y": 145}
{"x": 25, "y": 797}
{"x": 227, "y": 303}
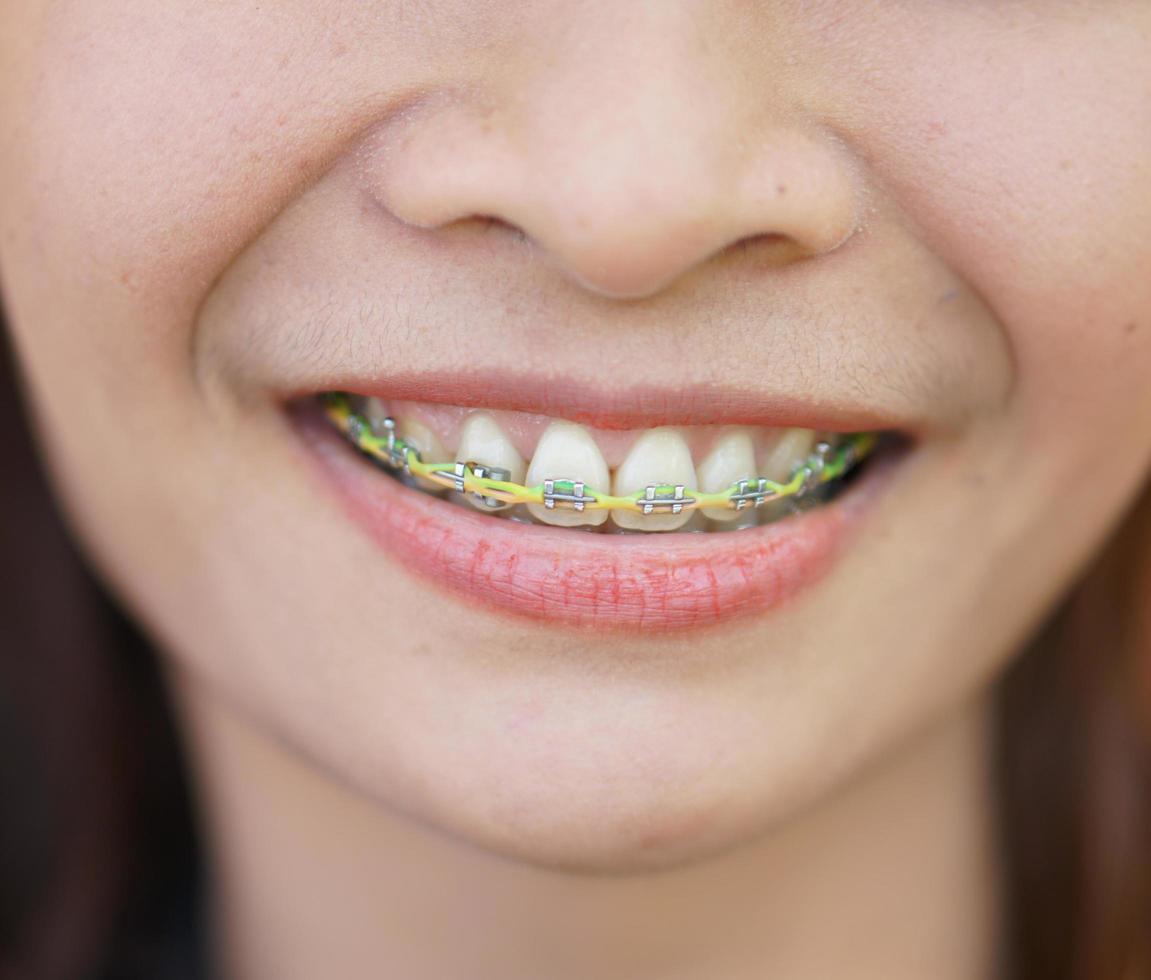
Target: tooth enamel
{"x": 483, "y": 441}
{"x": 376, "y": 412}
{"x": 659, "y": 456}
{"x": 731, "y": 459}
{"x": 427, "y": 442}
{"x": 786, "y": 453}
{"x": 567, "y": 451}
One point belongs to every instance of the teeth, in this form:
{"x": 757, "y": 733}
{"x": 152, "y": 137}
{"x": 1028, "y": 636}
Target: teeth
{"x": 779, "y": 462}
{"x": 428, "y": 443}
{"x": 567, "y": 452}
{"x": 376, "y": 412}
{"x": 483, "y": 441}
{"x": 731, "y": 459}
{"x": 659, "y": 456}
{"x": 791, "y": 449}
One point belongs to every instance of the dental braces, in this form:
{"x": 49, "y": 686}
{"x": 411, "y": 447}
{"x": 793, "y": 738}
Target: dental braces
{"x": 491, "y": 487}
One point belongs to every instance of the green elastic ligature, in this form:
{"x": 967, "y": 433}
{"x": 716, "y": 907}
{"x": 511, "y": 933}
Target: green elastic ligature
{"x": 491, "y": 487}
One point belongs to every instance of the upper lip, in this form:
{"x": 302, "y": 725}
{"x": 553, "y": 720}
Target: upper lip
{"x": 616, "y": 407}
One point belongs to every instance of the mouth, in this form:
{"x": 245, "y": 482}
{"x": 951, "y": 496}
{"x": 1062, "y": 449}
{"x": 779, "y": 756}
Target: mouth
{"x": 657, "y": 529}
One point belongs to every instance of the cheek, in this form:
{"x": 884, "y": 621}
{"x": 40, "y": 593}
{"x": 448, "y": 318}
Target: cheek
{"x": 153, "y": 146}
{"x": 1023, "y": 152}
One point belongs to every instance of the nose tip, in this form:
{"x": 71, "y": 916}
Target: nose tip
{"x": 629, "y": 232}
{"x": 627, "y": 214}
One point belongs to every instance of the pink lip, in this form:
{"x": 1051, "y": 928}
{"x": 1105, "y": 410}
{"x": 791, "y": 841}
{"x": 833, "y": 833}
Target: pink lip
{"x": 606, "y": 583}
{"x": 620, "y": 406}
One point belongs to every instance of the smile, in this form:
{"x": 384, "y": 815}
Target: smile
{"x": 569, "y": 473}
{"x": 485, "y": 505}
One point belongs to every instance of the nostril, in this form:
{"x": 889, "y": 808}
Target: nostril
{"x": 771, "y": 247}
{"x": 493, "y": 224}
{"x": 748, "y": 242}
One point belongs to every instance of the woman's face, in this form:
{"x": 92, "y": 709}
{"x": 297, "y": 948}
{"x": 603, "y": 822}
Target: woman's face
{"x": 839, "y": 215}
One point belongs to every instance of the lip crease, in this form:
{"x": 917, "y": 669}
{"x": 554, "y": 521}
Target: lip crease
{"x": 648, "y": 584}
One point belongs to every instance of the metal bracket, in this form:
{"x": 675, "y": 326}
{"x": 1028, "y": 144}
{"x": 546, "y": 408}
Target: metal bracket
{"x": 813, "y": 468}
{"x": 457, "y": 475}
{"x": 570, "y": 493}
{"x": 488, "y": 473}
{"x": 664, "y": 498}
{"x": 751, "y": 493}
{"x": 397, "y": 448}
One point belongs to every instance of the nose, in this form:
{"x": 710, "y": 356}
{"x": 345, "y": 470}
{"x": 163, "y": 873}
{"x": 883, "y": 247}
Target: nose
{"x": 628, "y": 167}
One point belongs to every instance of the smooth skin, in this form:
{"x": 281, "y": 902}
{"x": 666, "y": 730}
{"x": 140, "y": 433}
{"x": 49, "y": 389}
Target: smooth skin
{"x": 938, "y": 211}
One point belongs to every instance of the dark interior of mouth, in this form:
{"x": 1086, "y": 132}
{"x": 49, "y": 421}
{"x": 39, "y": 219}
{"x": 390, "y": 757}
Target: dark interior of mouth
{"x": 353, "y": 428}
{"x": 889, "y": 443}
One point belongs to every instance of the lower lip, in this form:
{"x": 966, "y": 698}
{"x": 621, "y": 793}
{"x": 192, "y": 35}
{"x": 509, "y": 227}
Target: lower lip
{"x": 603, "y": 583}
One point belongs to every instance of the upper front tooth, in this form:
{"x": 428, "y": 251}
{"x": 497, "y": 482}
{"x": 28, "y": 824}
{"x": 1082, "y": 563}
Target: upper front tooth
{"x": 731, "y": 459}
{"x": 786, "y": 453}
{"x": 567, "y": 451}
{"x": 658, "y": 456}
{"x": 483, "y": 441}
